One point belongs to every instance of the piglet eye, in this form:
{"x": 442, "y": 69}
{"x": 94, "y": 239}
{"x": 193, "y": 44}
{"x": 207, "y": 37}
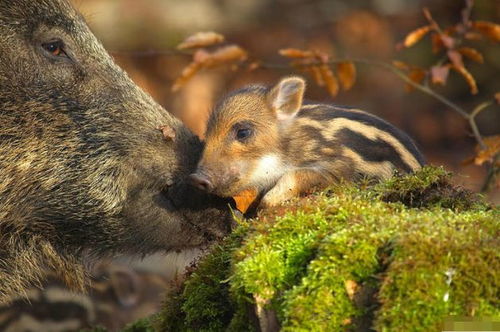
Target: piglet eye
{"x": 55, "y": 48}
{"x": 243, "y": 133}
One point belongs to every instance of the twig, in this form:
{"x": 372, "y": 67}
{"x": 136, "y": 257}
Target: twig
{"x": 417, "y": 86}
{"x": 393, "y": 69}
{"x": 470, "y": 117}
{"x": 150, "y": 53}
{"x": 472, "y": 122}
{"x": 481, "y": 107}
{"x": 388, "y": 66}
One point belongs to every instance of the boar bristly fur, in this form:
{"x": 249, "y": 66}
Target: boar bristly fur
{"x": 84, "y": 170}
{"x": 270, "y": 140}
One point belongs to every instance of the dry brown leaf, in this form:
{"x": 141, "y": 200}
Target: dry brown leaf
{"x": 351, "y": 287}
{"x": 437, "y": 43}
{"x": 439, "y": 74}
{"x": 455, "y": 58}
{"x": 468, "y": 78}
{"x": 488, "y": 29}
{"x": 492, "y": 149}
{"x": 224, "y": 55}
{"x": 203, "y": 58}
{"x": 416, "y": 35}
{"x": 245, "y": 199}
{"x": 188, "y": 72}
{"x": 201, "y": 39}
{"x": 470, "y": 35}
{"x": 497, "y": 97}
{"x": 346, "y": 72}
{"x": 472, "y": 54}
{"x": 347, "y": 321}
{"x": 296, "y": 53}
{"x": 316, "y": 74}
{"x": 331, "y": 82}
{"x": 417, "y": 76}
{"x": 451, "y": 30}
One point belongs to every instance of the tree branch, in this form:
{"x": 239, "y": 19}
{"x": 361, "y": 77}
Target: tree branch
{"x": 470, "y": 117}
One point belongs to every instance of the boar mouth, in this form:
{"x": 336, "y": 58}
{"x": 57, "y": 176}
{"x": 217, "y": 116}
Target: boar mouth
{"x": 173, "y": 218}
{"x": 203, "y": 212}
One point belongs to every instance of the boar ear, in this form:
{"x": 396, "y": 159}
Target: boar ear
{"x": 286, "y": 97}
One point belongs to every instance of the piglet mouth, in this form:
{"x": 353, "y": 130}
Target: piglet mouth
{"x": 206, "y": 183}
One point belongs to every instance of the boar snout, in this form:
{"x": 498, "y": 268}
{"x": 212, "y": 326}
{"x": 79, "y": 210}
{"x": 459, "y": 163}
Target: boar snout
{"x": 201, "y": 181}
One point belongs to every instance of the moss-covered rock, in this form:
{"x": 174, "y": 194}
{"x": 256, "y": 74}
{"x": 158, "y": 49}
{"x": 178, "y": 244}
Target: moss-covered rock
{"x": 398, "y": 256}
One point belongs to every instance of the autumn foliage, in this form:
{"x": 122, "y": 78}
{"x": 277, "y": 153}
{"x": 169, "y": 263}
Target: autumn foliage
{"x": 451, "y": 45}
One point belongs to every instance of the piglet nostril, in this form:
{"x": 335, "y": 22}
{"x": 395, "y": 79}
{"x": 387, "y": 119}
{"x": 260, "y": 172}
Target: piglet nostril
{"x": 200, "y": 181}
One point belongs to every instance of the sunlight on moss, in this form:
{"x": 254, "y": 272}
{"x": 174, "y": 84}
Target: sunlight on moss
{"x": 386, "y": 257}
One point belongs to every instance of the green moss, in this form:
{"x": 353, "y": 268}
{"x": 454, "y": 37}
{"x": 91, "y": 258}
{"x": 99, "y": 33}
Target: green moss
{"x": 204, "y": 303}
{"x": 141, "y": 325}
{"x": 452, "y": 265}
{"x": 352, "y": 258}
{"x": 432, "y": 187}
{"x": 95, "y": 329}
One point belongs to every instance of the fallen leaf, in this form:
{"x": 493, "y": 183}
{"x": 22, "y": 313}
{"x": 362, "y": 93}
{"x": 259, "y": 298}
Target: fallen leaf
{"x": 347, "y": 321}
{"x": 201, "y": 39}
{"x": 346, "y": 72}
{"x": 416, "y": 35}
{"x": 351, "y": 287}
{"x": 492, "y": 149}
{"x": 439, "y": 74}
{"x": 245, "y": 199}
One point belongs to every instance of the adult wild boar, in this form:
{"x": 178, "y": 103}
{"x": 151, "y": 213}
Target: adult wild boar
{"x": 84, "y": 170}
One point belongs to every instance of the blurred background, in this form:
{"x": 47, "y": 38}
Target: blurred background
{"x": 141, "y": 34}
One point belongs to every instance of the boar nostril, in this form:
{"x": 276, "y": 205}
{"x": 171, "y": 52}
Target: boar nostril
{"x": 200, "y": 182}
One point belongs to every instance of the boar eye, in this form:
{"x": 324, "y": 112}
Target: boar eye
{"x": 55, "y": 48}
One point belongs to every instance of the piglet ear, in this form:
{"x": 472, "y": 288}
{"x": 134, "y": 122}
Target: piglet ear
{"x": 286, "y": 97}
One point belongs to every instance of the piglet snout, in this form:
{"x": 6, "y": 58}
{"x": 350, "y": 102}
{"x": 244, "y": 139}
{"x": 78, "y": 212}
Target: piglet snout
{"x": 201, "y": 182}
